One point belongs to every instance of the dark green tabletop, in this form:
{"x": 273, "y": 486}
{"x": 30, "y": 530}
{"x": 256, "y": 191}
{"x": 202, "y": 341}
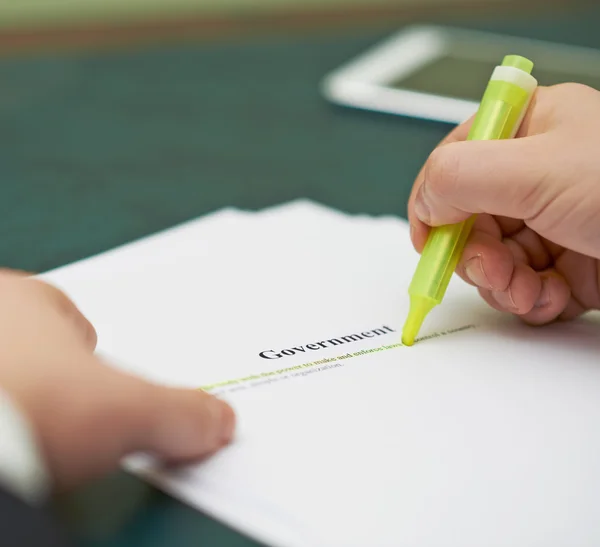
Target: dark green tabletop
{"x": 99, "y": 148}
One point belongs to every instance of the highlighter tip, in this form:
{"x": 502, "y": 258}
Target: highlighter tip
{"x": 410, "y": 331}
{"x": 408, "y": 336}
{"x": 419, "y": 308}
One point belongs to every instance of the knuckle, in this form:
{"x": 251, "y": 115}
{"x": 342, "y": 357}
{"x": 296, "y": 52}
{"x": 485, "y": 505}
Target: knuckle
{"x": 560, "y": 102}
{"x": 573, "y": 89}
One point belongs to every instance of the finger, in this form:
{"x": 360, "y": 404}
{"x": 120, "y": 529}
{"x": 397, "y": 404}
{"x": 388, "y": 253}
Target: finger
{"x": 522, "y": 292}
{"x": 186, "y": 425}
{"x": 509, "y": 226}
{"x": 418, "y": 230}
{"x": 112, "y": 415}
{"x": 554, "y": 249}
{"x": 518, "y": 253}
{"x": 68, "y": 309}
{"x": 581, "y": 274}
{"x": 495, "y": 177}
{"x": 552, "y": 301}
{"x": 486, "y": 262}
{"x": 490, "y": 300}
{"x": 174, "y": 424}
{"x": 489, "y": 225}
{"x": 573, "y": 310}
{"x": 536, "y": 253}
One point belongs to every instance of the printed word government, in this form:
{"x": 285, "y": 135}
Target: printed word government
{"x": 315, "y": 346}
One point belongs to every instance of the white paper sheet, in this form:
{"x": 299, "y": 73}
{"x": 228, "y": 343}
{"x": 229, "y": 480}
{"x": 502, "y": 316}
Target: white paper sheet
{"x": 485, "y": 433}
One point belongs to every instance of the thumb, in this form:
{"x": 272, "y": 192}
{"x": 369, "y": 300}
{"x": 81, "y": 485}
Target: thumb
{"x": 505, "y": 178}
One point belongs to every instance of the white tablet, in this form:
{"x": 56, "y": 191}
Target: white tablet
{"x": 440, "y": 73}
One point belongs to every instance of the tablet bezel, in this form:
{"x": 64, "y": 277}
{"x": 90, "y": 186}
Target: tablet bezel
{"x": 365, "y": 81}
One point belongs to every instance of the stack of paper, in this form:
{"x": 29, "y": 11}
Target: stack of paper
{"x": 486, "y": 432}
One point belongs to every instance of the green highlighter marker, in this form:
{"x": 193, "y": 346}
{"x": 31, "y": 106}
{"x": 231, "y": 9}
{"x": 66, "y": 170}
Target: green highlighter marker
{"x": 499, "y": 116}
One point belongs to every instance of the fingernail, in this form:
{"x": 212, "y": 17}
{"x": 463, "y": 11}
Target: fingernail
{"x": 421, "y": 208}
{"x": 505, "y": 300}
{"x": 475, "y": 272}
{"x": 544, "y": 298}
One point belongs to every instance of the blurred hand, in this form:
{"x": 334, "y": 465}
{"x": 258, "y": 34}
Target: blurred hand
{"x": 535, "y": 247}
{"x": 87, "y": 415}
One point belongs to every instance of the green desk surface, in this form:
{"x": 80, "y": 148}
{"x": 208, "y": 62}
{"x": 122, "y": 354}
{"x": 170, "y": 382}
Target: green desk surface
{"x": 100, "y": 148}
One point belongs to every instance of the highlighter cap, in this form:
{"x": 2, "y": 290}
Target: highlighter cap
{"x": 516, "y": 61}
